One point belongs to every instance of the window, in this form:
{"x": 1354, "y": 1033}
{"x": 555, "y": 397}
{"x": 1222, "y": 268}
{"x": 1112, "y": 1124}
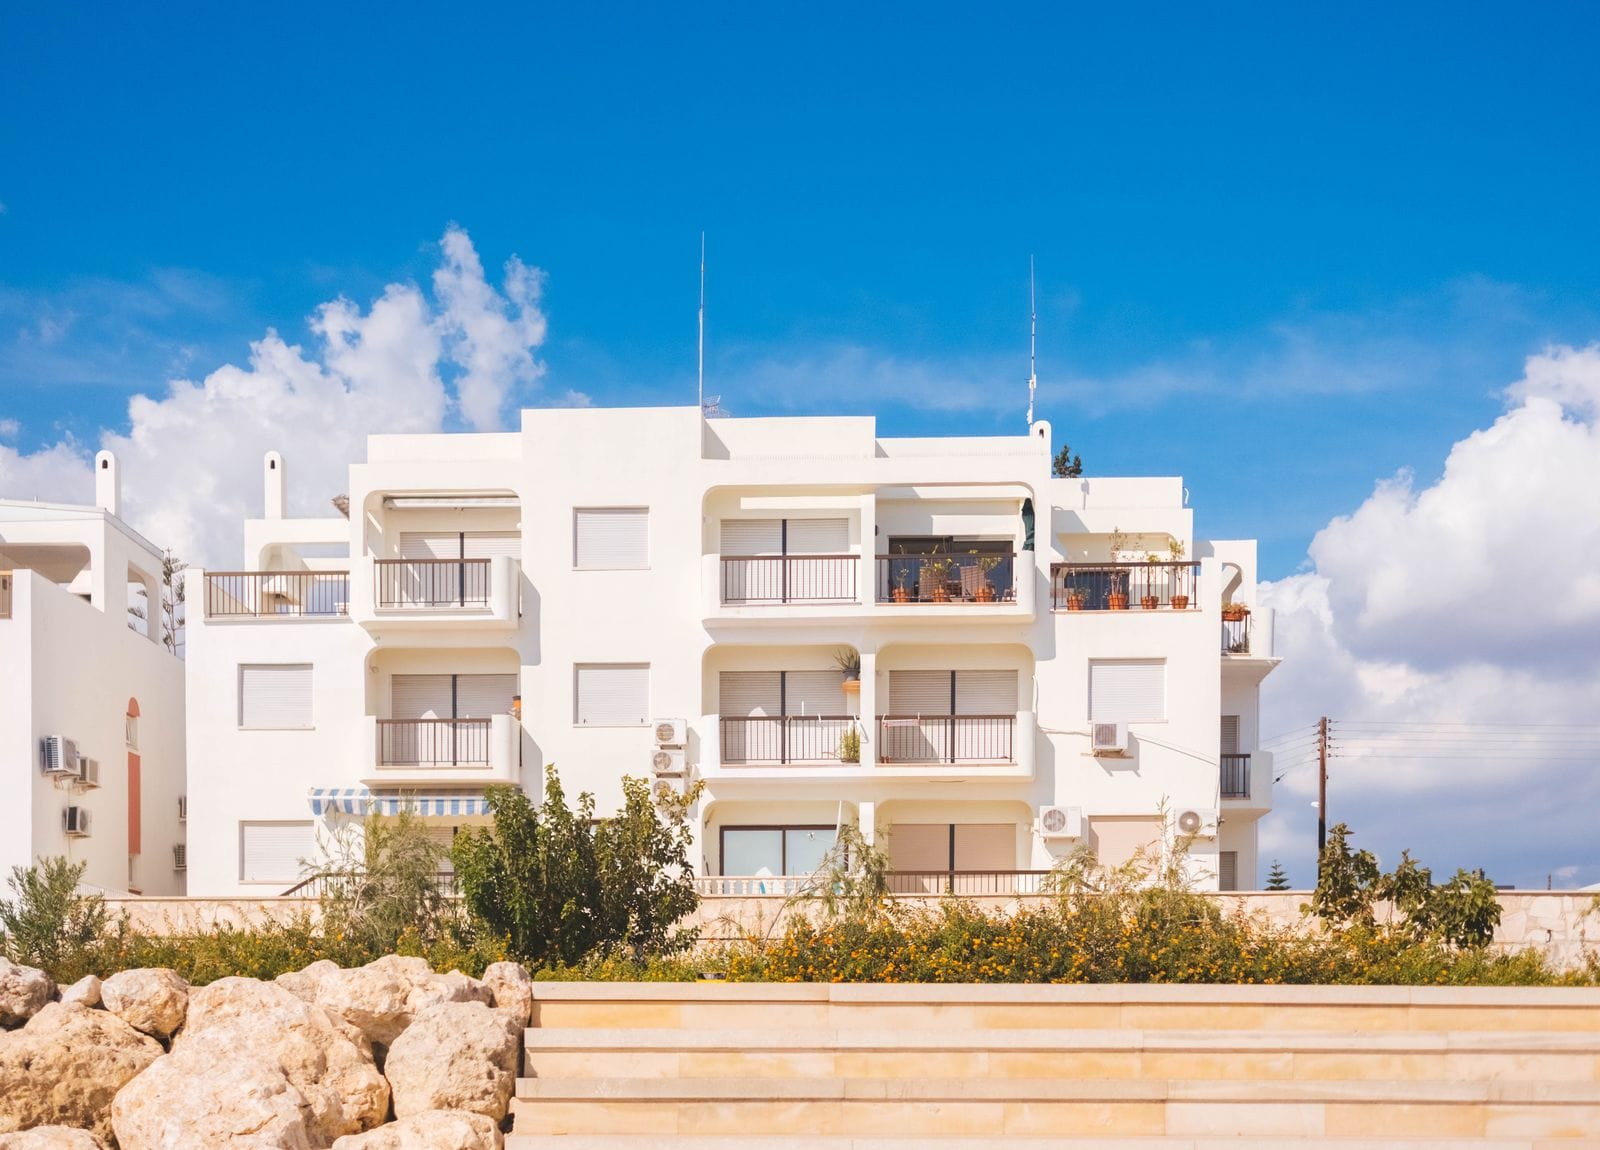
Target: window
{"x": 610, "y": 538}
{"x": 611, "y": 694}
{"x": 1227, "y": 870}
{"x": 275, "y": 696}
{"x": 1127, "y": 690}
{"x": 1117, "y": 839}
{"x": 273, "y": 852}
{"x": 775, "y": 850}
{"x": 130, "y": 725}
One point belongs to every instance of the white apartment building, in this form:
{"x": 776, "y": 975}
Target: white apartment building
{"x": 91, "y": 718}
{"x": 1044, "y": 663}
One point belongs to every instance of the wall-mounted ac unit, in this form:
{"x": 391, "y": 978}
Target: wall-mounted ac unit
{"x": 671, "y": 732}
{"x": 88, "y": 773}
{"x": 1200, "y": 823}
{"x": 666, "y": 761}
{"x": 58, "y": 755}
{"x": 183, "y": 808}
{"x": 664, "y": 789}
{"x": 1110, "y": 738}
{"x": 180, "y": 856}
{"x": 1061, "y": 822}
{"x": 75, "y": 821}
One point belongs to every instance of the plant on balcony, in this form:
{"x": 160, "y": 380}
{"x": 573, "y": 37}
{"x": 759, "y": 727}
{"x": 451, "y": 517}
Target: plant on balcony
{"x": 849, "y": 663}
{"x": 1117, "y": 595}
{"x": 986, "y": 565}
{"x": 1234, "y": 612}
{"x": 1150, "y": 601}
{"x": 850, "y": 746}
{"x": 1176, "y": 549}
{"x": 936, "y": 572}
{"x": 1077, "y": 597}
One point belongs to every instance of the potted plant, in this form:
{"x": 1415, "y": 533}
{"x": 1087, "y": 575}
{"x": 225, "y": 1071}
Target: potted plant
{"x": 902, "y": 587}
{"x": 1234, "y": 612}
{"x": 937, "y": 568}
{"x": 986, "y": 564}
{"x": 850, "y": 745}
{"x": 1150, "y": 601}
{"x": 1076, "y": 598}
{"x": 849, "y": 663}
{"x": 1117, "y": 596}
{"x": 1180, "y": 601}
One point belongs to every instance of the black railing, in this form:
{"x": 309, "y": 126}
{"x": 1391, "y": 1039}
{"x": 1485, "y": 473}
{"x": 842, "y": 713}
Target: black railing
{"x": 433, "y": 742}
{"x": 1235, "y": 635}
{"x": 276, "y": 594}
{"x": 1125, "y": 586}
{"x": 1236, "y": 776}
{"x": 966, "y": 882}
{"x": 787, "y": 739}
{"x": 789, "y": 578}
{"x": 946, "y": 738}
{"x": 946, "y": 578}
{"x": 436, "y": 583}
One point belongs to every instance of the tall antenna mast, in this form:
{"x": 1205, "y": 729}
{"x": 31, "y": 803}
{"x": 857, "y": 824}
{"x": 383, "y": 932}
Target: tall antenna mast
{"x": 1033, "y": 341}
{"x": 701, "y": 372}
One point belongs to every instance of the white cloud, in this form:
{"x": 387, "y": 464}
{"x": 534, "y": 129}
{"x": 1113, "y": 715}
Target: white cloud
{"x": 1474, "y": 600}
{"x": 191, "y": 458}
{"x": 9, "y": 428}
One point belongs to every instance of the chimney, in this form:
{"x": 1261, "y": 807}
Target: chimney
{"x": 107, "y": 483}
{"x": 273, "y": 473}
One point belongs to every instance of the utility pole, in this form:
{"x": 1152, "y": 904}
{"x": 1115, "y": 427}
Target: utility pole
{"x": 1322, "y": 790}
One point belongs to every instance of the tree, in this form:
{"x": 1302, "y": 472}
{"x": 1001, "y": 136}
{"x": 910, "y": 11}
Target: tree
{"x": 382, "y": 881}
{"x": 1276, "y": 878}
{"x": 646, "y": 878}
{"x": 1066, "y": 465}
{"x": 1347, "y": 882}
{"x": 172, "y": 604}
{"x": 50, "y": 924}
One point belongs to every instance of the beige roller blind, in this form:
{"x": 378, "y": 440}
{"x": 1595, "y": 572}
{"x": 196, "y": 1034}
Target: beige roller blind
{"x": 430, "y": 545}
{"x": 1116, "y": 839}
{"x": 749, "y": 694}
{"x": 611, "y": 538}
{"x": 986, "y": 692}
{"x": 818, "y": 536}
{"x": 752, "y": 537}
{"x": 1127, "y": 690}
{"x": 986, "y": 846}
{"x": 272, "y": 852}
{"x": 489, "y": 544}
{"x": 275, "y": 696}
{"x": 612, "y": 694}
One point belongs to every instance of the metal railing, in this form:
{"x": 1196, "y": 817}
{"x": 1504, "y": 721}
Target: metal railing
{"x": 789, "y": 578}
{"x": 276, "y": 594}
{"x": 433, "y": 742}
{"x": 905, "y": 883}
{"x": 1236, "y": 636}
{"x": 5, "y": 594}
{"x": 1125, "y": 586}
{"x": 946, "y": 738}
{"x": 431, "y": 583}
{"x": 785, "y": 738}
{"x": 1236, "y": 776}
{"x": 947, "y": 578}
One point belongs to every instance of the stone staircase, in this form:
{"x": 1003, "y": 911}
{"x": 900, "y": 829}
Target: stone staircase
{"x": 690, "y": 1066}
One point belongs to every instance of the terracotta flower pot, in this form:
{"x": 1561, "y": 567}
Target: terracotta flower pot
{"x": 1118, "y": 600}
{"x": 1180, "y": 602}
{"x": 1149, "y": 602}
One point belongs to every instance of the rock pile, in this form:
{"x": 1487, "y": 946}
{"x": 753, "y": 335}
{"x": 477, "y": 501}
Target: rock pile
{"x": 389, "y": 1056}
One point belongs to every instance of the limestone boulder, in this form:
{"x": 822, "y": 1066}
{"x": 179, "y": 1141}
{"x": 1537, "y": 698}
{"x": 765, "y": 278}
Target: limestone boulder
{"x": 455, "y": 1056}
{"x": 512, "y": 988}
{"x": 430, "y": 1130}
{"x": 51, "y": 1138}
{"x": 303, "y": 984}
{"x": 85, "y": 992}
{"x": 384, "y": 996}
{"x": 153, "y": 1000}
{"x": 208, "y": 1094}
{"x": 23, "y": 993}
{"x": 323, "y": 1057}
{"x": 64, "y": 1067}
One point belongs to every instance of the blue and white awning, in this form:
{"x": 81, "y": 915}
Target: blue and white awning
{"x": 361, "y": 802}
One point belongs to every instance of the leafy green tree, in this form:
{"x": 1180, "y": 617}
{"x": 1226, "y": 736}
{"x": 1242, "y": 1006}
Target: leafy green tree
{"x": 1277, "y": 879}
{"x": 50, "y": 923}
{"x": 1066, "y": 465}
{"x": 1347, "y": 881}
{"x": 646, "y": 877}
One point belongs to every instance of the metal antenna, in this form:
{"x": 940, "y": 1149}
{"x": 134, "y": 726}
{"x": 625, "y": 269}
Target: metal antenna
{"x": 702, "y": 365}
{"x": 1033, "y": 340}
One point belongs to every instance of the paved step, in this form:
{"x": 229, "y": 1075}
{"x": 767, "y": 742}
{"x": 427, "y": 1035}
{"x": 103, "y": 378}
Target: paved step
{"x": 1012, "y": 1142}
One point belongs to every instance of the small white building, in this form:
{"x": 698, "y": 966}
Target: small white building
{"x": 91, "y": 718}
{"x": 1044, "y": 663}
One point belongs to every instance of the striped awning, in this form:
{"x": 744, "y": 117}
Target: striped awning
{"x": 361, "y": 801}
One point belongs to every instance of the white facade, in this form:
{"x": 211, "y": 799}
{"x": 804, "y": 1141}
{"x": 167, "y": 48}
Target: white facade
{"x": 495, "y": 602}
{"x": 91, "y": 717}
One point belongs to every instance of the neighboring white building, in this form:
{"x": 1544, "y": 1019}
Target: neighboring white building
{"x": 495, "y": 602}
{"x": 91, "y": 718}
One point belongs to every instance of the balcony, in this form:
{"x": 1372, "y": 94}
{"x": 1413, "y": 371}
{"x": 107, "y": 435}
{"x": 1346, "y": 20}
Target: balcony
{"x": 1235, "y": 776}
{"x": 425, "y": 592}
{"x": 961, "y": 580}
{"x": 237, "y": 595}
{"x": 406, "y": 751}
{"x": 1125, "y": 586}
{"x": 755, "y": 580}
{"x": 915, "y": 740}
{"x": 783, "y": 740}
{"x": 905, "y": 883}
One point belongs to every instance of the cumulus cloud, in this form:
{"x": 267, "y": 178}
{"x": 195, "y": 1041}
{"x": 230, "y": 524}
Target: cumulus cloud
{"x": 408, "y": 363}
{"x": 1453, "y": 632}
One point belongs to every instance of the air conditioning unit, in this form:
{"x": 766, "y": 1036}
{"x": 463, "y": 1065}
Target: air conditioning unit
{"x": 671, "y": 732}
{"x": 665, "y": 789}
{"x": 666, "y": 761}
{"x": 75, "y": 821}
{"x": 180, "y": 856}
{"x": 58, "y": 755}
{"x": 183, "y": 808}
{"x": 1061, "y": 822}
{"x": 1110, "y": 738}
{"x": 1200, "y": 823}
{"x": 88, "y": 773}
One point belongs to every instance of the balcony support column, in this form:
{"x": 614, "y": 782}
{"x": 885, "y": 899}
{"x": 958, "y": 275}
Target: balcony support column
{"x": 867, "y": 820}
{"x": 867, "y": 575}
{"x": 867, "y": 711}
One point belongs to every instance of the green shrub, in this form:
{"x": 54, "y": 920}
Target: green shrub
{"x": 51, "y": 924}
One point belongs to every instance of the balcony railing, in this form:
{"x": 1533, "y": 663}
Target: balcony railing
{"x": 1236, "y": 776}
{"x": 946, "y": 739}
{"x": 907, "y": 883}
{"x": 789, "y": 578}
{"x": 276, "y": 594}
{"x": 5, "y": 594}
{"x": 947, "y": 578}
{"x": 433, "y": 742}
{"x": 784, "y": 738}
{"x": 1125, "y": 586}
{"x": 431, "y": 584}
{"x": 1236, "y": 636}
{"x": 349, "y": 884}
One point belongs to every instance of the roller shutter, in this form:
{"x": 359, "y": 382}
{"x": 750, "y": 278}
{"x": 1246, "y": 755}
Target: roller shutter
{"x": 815, "y": 693}
{"x": 985, "y": 846}
{"x": 275, "y": 696}
{"x": 919, "y": 692}
{"x": 480, "y": 696}
{"x": 421, "y": 697}
{"x": 612, "y": 694}
{"x": 1230, "y": 735}
{"x": 272, "y": 852}
{"x": 818, "y": 536}
{"x": 1127, "y": 690}
{"x": 752, "y": 537}
{"x": 746, "y": 694}
{"x": 986, "y": 692}
{"x": 430, "y": 545}
{"x": 1227, "y": 870}
{"x": 611, "y": 538}
{"x": 489, "y": 544}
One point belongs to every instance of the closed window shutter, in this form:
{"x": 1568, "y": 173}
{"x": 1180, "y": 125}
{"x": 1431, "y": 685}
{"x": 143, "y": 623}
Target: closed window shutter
{"x": 430, "y": 545}
{"x": 610, "y": 538}
{"x": 986, "y": 846}
{"x": 919, "y": 692}
{"x": 819, "y": 536}
{"x": 489, "y": 544}
{"x": 986, "y": 692}
{"x": 481, "y": 696}
{"x": 1127, "y": 690}
{"x": 919, "y": 846}
{"x": 613, "y": 695}
{"x": 272, "y": 852}
{"x": 1228, "y": 870}
{"x": 749, "y": 694}
{"x": 752, "y": 537}
{"x": 815, "y": 693}
{"x": 1230, "y": 734}
{"x": 420, "y": 697}
{"x": 275, "y": 696}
